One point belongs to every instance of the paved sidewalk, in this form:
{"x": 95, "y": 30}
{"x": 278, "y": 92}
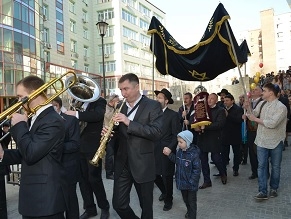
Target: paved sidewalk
{"x": 233, "y": 200}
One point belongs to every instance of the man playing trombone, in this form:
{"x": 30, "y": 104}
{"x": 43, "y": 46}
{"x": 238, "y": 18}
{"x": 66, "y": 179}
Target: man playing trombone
{"x": 42, "y": 190}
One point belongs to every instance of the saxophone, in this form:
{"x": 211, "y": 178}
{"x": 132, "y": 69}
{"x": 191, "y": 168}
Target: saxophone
{"x": 100, "y": 153}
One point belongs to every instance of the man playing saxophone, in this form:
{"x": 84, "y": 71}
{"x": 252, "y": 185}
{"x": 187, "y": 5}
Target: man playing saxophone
{"x": 140, "y": 124}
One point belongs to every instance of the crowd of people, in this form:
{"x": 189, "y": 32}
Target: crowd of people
{"x": 149, "y": 145}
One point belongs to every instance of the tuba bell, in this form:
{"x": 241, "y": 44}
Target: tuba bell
{"x": 85, "y": 90}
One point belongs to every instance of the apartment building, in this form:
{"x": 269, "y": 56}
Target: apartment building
{"x": 271, "y": 43}
{"x": 47, "y": 38}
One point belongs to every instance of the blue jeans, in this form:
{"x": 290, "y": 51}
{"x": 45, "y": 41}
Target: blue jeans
{"x": 263, "y": 167}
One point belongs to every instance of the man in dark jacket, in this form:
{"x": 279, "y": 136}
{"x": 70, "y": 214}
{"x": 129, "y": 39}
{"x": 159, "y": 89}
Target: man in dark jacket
{"x": 209, "y": 141}
{"x": 231, "y": 133}
{"x": 91, "y": 182}
{"x": 71, "y": 157}
{"x": 164, "y": 167}
{"x": 43, "y": 190}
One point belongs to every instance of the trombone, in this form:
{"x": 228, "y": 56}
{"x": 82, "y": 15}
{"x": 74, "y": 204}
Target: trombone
{"x": 7, "y": 114}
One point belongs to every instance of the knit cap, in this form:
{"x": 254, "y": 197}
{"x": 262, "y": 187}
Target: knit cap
{"x": 186, "y": 136}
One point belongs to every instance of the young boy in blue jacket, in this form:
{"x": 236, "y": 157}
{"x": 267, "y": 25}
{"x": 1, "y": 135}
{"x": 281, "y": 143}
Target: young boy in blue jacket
{"x": 188, "y": 170}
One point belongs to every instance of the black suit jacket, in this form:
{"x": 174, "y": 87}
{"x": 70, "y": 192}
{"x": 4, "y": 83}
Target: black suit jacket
{"x": 136, "y": 141}
{"x": 4, "y": 170}
{"x": 42, "y": 188}
{"x": 171, "y": 127}
{"x": 231, "y": 132}
{"x": 94, "y": 116}
{"x": 71, "y": 152}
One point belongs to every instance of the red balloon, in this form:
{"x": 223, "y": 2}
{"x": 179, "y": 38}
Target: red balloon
{"x": 261, "y": 65}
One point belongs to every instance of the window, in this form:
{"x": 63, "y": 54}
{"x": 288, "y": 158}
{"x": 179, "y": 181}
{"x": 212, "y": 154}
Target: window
{"x": 85, "y": 33}
{"x": 72, "y": 6}
{"x": 73, "y": 46}
{"x": 109, "y": 66}
{"x": 145, "y": 40}
{"x": 130, "y": 34}
{"x": 143, "y": 24}
{"x": 86, "y": 68}
{"x": 132, "y": 67}
{"x": 128, "y": 17}
{"x": 130, "y": 50}
{"x": 46, "y": 35}
{"x": 144, "y": 10}
{"x": 108, "y": 49}
{"x": 45, "y": 10}
{"x": 131, "y": 3}
{"x": 109, "y": 32}
{"x": 59, "y": 14}
{"x": 74, "y": 64}
{"x": 105, "y": 15}
{"x": 86, "y": 52}
{"x": 72, "y": 26}
{"x": 85, "y": 16}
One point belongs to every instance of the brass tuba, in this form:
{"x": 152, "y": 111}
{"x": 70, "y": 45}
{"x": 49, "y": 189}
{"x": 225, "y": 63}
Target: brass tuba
{"x": 84, "y": 90}
{"x": 100, "y": 153}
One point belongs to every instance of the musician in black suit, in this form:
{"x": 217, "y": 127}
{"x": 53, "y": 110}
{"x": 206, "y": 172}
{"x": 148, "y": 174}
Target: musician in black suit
{"x": 5, "y": 170}
{"x": 140, "y": 125}
{"x": 164, "y": 167}
{"x": 91, "y": 180}
{"x": 71, "y": 157}
{"x": 42, "y": 190}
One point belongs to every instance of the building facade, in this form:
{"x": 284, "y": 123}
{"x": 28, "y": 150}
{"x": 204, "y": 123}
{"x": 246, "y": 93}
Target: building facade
{"x": 48, "y": 38}
{"x": 271, "y": 43}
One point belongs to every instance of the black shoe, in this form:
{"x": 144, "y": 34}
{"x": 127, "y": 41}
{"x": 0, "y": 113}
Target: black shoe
{"x": 162, "y": 197}
{"x": 205, "y": 185}
{"x": 224, "y": 179}
{"x": 167, "y": 207}
{"x": 253, "y": 177}
{"x": 217, "y": 174}
{"x": 235, "y": 173}
{"x": 211, "y": 162}
{"x": 87, "y": 214}
{"x": 187, "y": 215}
{"x": 104, "y": 214}
{"x": 110, "y": 177}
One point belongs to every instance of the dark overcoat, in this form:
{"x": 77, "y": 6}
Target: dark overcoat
{"x": 171, "y": 127}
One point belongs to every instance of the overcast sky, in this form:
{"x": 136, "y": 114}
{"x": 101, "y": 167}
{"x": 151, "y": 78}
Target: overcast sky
{"x": 186, "y": 20}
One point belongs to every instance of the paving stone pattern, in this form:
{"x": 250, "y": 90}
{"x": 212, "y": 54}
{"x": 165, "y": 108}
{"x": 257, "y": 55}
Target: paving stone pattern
{"x": 233, "y": 200}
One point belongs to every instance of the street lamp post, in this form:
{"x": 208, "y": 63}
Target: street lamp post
{"x": 102, "y": 28}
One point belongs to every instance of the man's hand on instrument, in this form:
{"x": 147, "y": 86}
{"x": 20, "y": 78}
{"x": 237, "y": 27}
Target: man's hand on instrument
{"x": 186, "y": 122}
{"x": 184, "y": 113}
{"x": 167, "y": 151}
{"x": 105, "y": 130}
{"x": 70, "y": 113}
{"x": 120, "y": 117}
{"x": 17, "y": 117}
